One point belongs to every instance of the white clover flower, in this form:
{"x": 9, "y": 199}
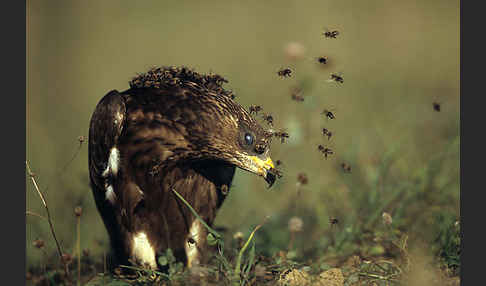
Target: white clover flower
{"x": 387, "y": 219}
{"x": 296, "y": 224}
{"x": 294, "y": 51}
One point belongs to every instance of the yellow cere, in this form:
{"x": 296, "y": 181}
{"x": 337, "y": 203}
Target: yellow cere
{"x": 263, "y": 165}
{"x": 269, "y": 162}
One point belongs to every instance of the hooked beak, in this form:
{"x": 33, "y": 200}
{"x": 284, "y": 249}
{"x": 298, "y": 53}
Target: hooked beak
{"x": 264, "y": 168}
{"x": 270, "y": 178}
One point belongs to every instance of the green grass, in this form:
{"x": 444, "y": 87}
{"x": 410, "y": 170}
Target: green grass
{"x": 382, "y": 248}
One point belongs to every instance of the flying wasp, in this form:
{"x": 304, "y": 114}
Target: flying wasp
{"x": 296, "y": 94}
{"x": 333, "y": 221}
{"x": 297, "y": 97}
{"x": 276, "y": 172}
{"x": 302, "y": 178}
{"x": 336, "y": 77}
{"x": 327, "y": 133}
{"x": 346, "y": 168}
{"x": 285, "y": 72}
{"x": 268, "y": 118}
{"x": 328, "y": 113}
{"x": 282, "y": 135}
{"x": 322, "y": 60}
{"x": 255, "y": 109}
{"x": 436, "y": 106}
{"x": 326, "y": 151}
{"x": 331, "y": 34}
{"x": 224, "y": 189}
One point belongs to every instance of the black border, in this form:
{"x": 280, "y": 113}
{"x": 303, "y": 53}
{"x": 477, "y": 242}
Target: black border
{"x": 472, "y": 216}
{"x": 13, "y": 117}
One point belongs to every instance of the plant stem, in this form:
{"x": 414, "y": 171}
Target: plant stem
{"x": 291, "y": 243}
{"x": 44, "y": 265}
{"x": 48, "y": 217}
{"x": 78, "y": 245}
{"x": 242, "y": 250}
{"x": 104, "y": 266}
{"x": 34, "y": 214}
{"x": 216, "y": 234}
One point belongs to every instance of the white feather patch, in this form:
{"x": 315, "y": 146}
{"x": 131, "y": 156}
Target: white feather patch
{"x": 110, "y": 194}
{"x": 113, "y": 163}
{"x": 142, "y": 251}
{"x": 118, "y": 118}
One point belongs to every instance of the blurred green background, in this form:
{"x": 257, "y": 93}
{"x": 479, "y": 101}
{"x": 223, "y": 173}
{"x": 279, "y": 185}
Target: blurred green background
{"x": 397, "y": 58}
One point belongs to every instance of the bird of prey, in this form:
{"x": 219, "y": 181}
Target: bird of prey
{"x": 173, "y": 129}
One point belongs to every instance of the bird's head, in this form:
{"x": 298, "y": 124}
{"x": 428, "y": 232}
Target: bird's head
{"x": 228, "y": 132}
{"x": 206, "y": 122}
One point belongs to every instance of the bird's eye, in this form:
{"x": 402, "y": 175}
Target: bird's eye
{"x": 249, "y": 139}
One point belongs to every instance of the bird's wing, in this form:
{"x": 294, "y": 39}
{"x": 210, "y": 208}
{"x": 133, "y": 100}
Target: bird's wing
{"x": 105, "y": 129}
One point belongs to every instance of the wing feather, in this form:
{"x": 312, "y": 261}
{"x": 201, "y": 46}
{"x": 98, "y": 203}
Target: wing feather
{"x": 105, "y": 129}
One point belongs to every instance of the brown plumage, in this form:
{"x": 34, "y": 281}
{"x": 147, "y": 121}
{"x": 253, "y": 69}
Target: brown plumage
{"x": 173, "y": 129}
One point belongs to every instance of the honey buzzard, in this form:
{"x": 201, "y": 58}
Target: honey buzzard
{"x": 172, "y": 129}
